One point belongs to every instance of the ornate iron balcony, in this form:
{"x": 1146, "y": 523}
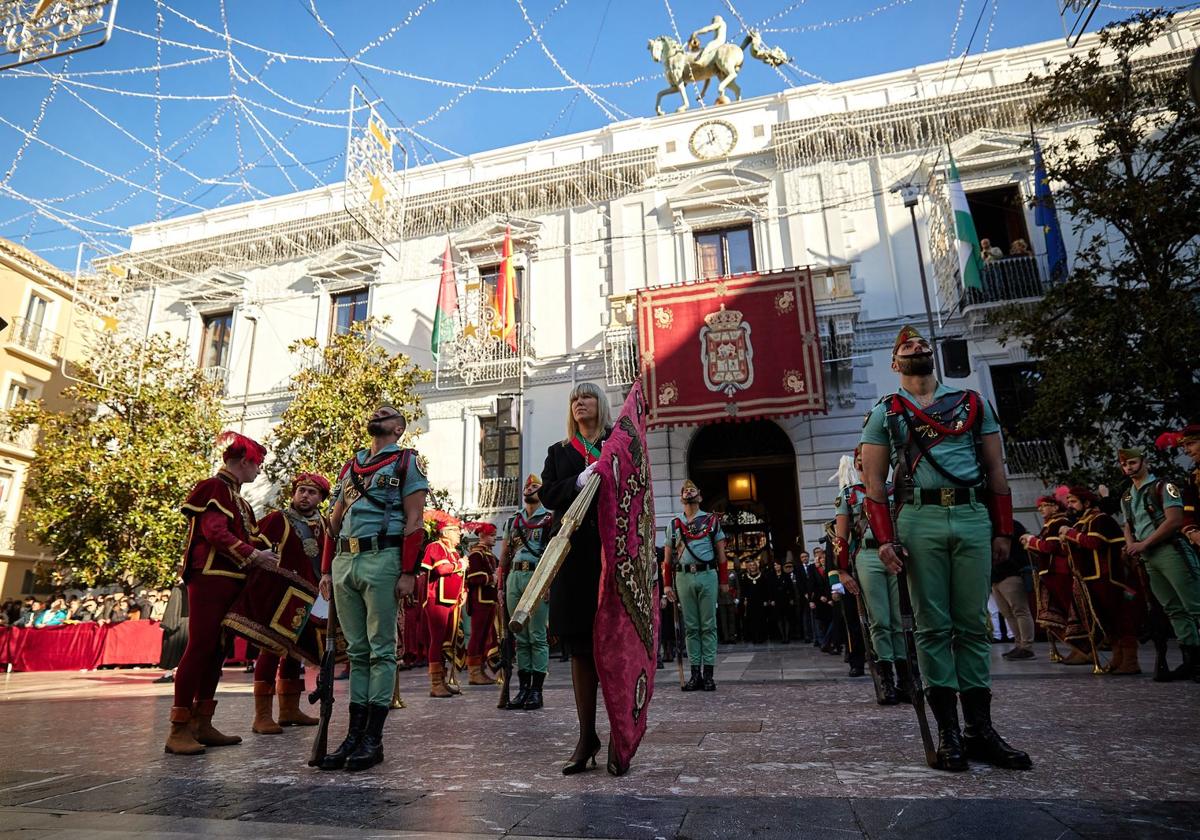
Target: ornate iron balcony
{"x": 33, "y": 336}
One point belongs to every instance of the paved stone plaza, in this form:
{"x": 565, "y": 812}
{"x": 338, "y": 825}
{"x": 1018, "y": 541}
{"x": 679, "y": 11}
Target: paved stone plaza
{"x": 787, "y": 747}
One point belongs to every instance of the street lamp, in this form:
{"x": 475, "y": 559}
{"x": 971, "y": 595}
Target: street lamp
{"x": 910, "y": 191}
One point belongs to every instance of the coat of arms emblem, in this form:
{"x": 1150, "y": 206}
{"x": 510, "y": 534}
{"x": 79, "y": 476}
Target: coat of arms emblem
{"x": 726, "y": 353}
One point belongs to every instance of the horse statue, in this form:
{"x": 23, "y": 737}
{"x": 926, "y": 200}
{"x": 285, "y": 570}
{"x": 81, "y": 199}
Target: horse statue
{"x": 681, "y": 66}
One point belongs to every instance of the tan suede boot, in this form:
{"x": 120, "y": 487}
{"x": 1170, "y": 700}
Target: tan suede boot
{"x": 289, "y": 692}
{"x": 264, "y": 724}
{"x": 475, "y": 675}
{"x": 181, "y": 741}
{"x": 1128, "y": 646}
{"x": 1076, "y": 657}
{"x": 203, "y": 730}
{"x": 437, "y": 681}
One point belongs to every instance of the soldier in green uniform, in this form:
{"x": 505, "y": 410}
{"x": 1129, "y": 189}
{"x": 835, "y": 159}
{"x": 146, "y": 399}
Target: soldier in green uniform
{"x": 859, "y": 569}
{"x": 694, "y": 568}
{"x": 954, "y": 521}
{"x": 1154, "y": 518}
{"x": 525, "y": 537}
{"x": 372, "y": 551}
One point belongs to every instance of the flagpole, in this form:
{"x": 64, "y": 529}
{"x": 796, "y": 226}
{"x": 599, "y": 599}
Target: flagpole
{"x": 911, "y": 193}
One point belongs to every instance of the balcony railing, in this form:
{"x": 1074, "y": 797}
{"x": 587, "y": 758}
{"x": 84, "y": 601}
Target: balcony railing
{"x": 8, "y": 535}
{"x": 1007, "y": 279}
{"x": 481, "y": 358}
{"x": 1027, "y": 457}
{"x": 499, "y": 493}
{"x": 620, "y": 355}
{"x": 35, "y": 337}
{"x": 21, "y": 438}
{"x": 217, "y": 375}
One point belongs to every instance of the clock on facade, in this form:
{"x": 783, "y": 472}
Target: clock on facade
{"x": 712, "y": 139}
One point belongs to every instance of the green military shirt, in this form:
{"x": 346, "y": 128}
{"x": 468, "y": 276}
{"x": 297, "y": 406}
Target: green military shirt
{"x": 703, "y": 547}
{"x": 956, "y": 453}
{"x": 364, "y": 519}
{"x": 529, "y": 547}
{"x": 1141, "y": 523}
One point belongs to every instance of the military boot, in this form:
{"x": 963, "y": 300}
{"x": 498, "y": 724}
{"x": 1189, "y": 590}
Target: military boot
{"x": 336, "y": 760}
{"x": 523, "y": 680}
{"x": 904, "y": 687}
{"x": 982, "y": 741}
{"x": 708, "y": 684}
{"x": 475, "y": 675}
{"x": 943, "y": 702}
{"x": 533, "y": 700}
{"x": 887, "y": 685}
{"x": 696, "y": 683}
{"x": 370, "y": 748}
{"x": 203, "y": 730}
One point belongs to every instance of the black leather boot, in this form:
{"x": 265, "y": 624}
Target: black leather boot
{"x": 533, "y": 700}
{"x": 336, "y": 760}
{"x": 982, "y": 741}
{"x": 708, "y": 684}
{"x": 518, "y": 702}
{"x": 903, "y": 681}
{"x": 943, "y": 702}
{"x": 695, "y": 683}
{"x": 887, "y": 685}
{"x": 370, "y": 748}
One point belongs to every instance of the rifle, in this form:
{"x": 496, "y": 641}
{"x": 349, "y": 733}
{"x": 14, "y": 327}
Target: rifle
{"x": 679, "y": 641}
{"x": 865, "y": 622}
{"x": 916, "y": 689}
{"x": 507, "y": 645}
{"x": 397, "y": 700}
{"x": 553, "y": 557}
{"x": 323, "y": 692}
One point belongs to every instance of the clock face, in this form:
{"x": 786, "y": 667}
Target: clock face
{"x": 714, "y": 138}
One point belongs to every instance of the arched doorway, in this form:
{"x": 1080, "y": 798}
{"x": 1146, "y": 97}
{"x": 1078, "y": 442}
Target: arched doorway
{"x": 762, "y": 449}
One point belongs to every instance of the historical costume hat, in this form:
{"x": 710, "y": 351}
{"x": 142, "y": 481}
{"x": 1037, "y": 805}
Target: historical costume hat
{"x": 1169, "y": 440}
{"x": 239, "y": 446}
{"x": 1085, "y": 494}
{"x": 315, "y": 480}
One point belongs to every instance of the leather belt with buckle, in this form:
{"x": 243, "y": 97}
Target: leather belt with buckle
{"x": 523, "y": 566}
{"x": 357, "y": 545}
{"x": 693, "y": 568}
{"x": 870, "y": 542}
{"x": 943, "y": 496}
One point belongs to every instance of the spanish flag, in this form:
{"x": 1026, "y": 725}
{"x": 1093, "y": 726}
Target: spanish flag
{"x": 506, "y": 295}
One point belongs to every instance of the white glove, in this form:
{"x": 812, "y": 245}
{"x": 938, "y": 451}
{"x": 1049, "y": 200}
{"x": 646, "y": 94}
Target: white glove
{"x": 585, "y": 475}
{"x": 838, "y": 588}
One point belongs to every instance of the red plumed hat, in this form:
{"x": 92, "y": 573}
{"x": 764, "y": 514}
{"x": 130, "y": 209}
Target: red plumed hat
{"x": 1169, "y": 440}
{"x": 441, "y": 520}
{"x": 483, "y": 529}
{"x": 1048, "y": 500}
{"x": 1085, "y": 494}
{"x": 311, "y": 479}
{"x": 240, "y": 446}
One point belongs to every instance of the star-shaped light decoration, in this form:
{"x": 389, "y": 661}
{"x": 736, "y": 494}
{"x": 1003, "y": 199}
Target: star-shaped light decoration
{"x": 377, "y": 190}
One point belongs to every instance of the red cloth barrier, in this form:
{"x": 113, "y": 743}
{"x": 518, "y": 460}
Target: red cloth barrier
{"x": 132, "y": 643}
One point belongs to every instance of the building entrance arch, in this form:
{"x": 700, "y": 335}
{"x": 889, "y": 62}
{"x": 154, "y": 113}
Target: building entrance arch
{"x": 763, "y": 450}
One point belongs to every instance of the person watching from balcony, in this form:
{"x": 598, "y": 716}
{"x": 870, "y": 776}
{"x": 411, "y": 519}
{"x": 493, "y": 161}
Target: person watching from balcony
{"x": 989, "y": 251}
{"x": 1020, "y": 248}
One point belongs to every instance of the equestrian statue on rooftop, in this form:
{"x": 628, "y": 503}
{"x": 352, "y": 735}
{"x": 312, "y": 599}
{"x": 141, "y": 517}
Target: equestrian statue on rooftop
{"x": 718, "y": 59}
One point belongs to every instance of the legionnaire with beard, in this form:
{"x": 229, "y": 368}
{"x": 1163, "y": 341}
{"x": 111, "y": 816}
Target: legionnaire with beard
{"x": 1154, "y": 518}
{"x": 525, "y": 537}
{"x": 372, "y": 553}
{"x": 953, "y": 521}
{"x": 694, "y": 567}
{"x": 298, "y": 534}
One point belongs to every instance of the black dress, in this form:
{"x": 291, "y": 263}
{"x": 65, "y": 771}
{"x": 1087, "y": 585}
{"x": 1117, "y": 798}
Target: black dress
{"x": 576, "y": 588}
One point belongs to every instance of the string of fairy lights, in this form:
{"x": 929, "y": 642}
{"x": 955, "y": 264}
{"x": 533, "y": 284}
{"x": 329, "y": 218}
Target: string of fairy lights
{"x": 275, "y": 140}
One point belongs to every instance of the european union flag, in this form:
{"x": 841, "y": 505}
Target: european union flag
{"x": 1045, "y": 216}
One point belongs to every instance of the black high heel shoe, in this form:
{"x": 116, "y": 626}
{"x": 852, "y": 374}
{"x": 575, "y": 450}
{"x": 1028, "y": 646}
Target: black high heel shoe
{"x": 582, "y": 764}
{"x": 614, "y": 768}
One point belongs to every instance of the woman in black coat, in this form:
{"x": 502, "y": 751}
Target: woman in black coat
{"x": 576, "y": 588}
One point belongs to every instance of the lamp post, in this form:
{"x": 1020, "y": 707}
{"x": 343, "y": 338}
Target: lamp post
{"x": 911, "y": 193}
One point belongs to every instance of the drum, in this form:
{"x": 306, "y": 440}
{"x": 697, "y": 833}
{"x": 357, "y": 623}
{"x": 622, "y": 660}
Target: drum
{"x": 274, "y": 611}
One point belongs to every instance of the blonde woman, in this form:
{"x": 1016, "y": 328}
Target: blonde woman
{"x": 569, "y": 464}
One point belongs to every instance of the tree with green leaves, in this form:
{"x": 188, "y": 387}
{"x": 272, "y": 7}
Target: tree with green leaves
{"x": 326, "y": 421}
{"x": 111, "y": 470}
{"x": 1118, "y": 341}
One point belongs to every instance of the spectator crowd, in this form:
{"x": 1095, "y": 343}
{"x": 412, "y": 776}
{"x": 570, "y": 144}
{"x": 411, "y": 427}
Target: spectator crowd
{"x": 102, "y": 605}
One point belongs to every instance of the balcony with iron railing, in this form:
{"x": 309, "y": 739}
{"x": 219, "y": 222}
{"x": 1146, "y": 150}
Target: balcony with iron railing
{"x": 1006, "y": 280}
{"x": 480, "y": 357}
{"x": 495, "y": 494}
{"x": 217, "y": 375}
{"x": 34, "y": 337}
{"x": 1028, "y": 457}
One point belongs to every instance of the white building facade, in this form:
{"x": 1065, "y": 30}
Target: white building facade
{"x": 800, "y": 178}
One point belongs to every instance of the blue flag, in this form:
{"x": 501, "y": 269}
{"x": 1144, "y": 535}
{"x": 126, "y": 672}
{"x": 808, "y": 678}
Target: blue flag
{"x": 1045, "y": 216}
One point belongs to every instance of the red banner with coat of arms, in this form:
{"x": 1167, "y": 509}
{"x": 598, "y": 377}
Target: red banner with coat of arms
{"x": 735, "y": 348}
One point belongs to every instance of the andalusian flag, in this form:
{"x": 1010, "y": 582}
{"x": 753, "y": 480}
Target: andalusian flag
{"x": 970, "y": 260}
{"x": 506, "y": 295}
{"x": 447, "y": 304}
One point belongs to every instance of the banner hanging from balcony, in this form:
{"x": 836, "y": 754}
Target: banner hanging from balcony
{"x": 735, "y": 348}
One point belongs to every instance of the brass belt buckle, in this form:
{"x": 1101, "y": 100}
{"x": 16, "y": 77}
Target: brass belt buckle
{"x": 947, "y": 497}
{"x": 353, "y": 544}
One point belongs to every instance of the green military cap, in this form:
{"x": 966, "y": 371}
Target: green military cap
{"x": 908, "y": 331}
{"x": 1131, "y": 452}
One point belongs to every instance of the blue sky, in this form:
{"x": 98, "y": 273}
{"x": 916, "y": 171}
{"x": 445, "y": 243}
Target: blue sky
{"x": 224, "y": 120}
